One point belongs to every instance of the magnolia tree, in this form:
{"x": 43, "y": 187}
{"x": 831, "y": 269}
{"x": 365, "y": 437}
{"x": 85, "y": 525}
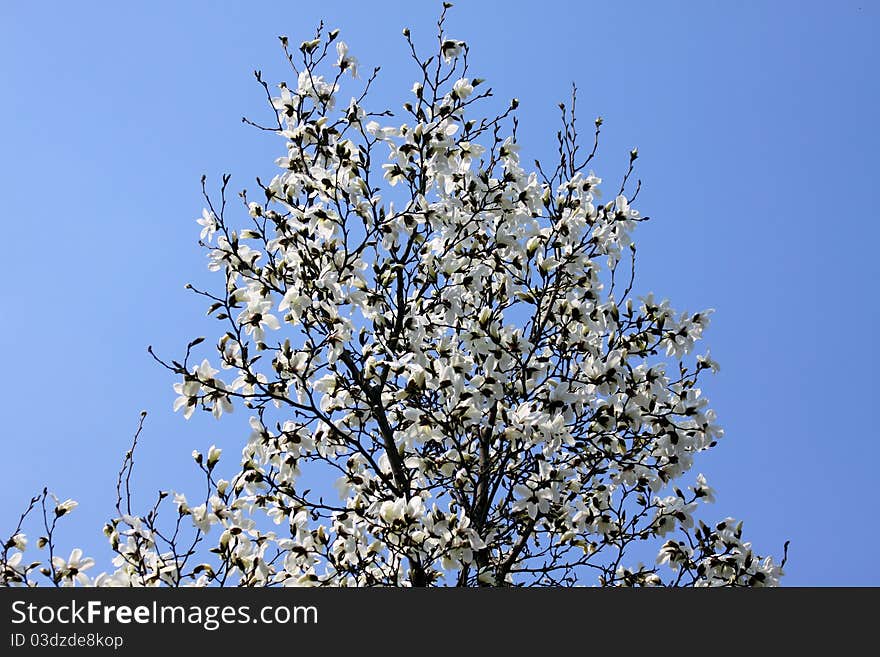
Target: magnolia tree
{"x": 450, "y": 336}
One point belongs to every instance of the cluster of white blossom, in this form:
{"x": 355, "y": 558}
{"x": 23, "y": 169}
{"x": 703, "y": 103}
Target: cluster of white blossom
{"x": 446, "y": 330}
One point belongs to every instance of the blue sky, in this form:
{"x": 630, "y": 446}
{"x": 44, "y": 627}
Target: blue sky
{"x": 755, "y": 124}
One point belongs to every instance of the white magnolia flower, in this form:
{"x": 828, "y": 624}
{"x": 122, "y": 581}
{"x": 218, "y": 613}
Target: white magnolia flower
{"x": 462, "y": 88}
{"x": 209, "y": 225}
{"x": 72, "y": 570}
{"x": 257, "y": 317}
{"x": 203, "y": 518}
{"x": 703, "y": 491}
{"x": 450, "y": 49}
{"x": 214, "y": 455}
{"x": 65, "y": 507}
{"x": 345, "y": 61}
{"x": 382, "y": 133}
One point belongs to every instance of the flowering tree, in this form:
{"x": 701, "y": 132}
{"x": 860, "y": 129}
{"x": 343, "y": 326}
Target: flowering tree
{"x": 452, "y": 338}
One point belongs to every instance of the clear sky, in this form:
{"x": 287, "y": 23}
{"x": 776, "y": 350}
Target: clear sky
{"x": 756, "y": 127}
